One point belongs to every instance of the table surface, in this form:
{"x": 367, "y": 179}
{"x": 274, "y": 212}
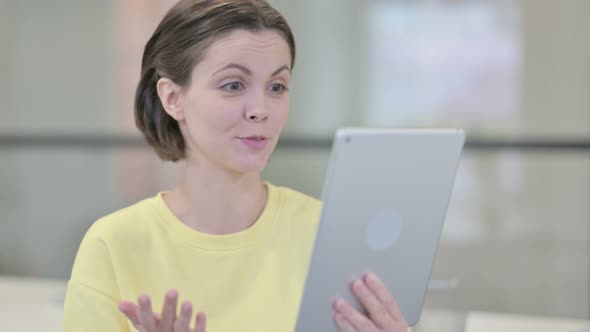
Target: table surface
{"x": 31, "y": 304}
{"x": 28, "y": 304}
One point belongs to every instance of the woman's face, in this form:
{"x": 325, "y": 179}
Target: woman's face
{"x": 237, "y": 103}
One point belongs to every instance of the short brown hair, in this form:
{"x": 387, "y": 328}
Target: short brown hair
{"x": 178, "y": 44}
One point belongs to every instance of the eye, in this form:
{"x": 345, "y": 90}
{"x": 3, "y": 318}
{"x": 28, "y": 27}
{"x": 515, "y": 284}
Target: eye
{"x": 232, "y": 86}
{"x": 278, "y": 88}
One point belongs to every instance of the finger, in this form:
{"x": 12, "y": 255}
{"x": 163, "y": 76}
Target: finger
{"x": 343, "y": 324}
{"x": 146, "y": 315}
{"x": 168, "y": 316}
{"x": 129, "y": 309}
{"x": 378, "y": 288}
{"x": 201, "y": 322}
{"x": 376, "y": 310}
{"x": 184, "y": 319}
{"x": 157, "y": 317}
{"x": 355, "y": 318}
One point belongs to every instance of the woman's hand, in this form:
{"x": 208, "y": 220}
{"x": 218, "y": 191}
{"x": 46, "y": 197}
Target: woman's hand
{"x": 145, "y": 320}
{"x": 384, "y": 314}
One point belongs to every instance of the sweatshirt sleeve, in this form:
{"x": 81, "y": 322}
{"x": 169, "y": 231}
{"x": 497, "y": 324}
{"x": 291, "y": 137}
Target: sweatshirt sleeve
{"x": 92, "y": 296}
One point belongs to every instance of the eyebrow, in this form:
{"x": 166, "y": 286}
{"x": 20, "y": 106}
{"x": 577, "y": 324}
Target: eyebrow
{"x": 248, "y": 71}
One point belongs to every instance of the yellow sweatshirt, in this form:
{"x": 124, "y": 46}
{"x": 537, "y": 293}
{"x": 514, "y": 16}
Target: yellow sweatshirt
{"x": 248, "y": 281}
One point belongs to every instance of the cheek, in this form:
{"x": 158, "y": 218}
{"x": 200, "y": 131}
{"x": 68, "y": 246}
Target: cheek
{"x": 282, "y": 115}
{"x": 212, "y": 115}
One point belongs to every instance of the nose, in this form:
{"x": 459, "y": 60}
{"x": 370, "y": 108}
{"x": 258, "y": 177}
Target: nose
{"x": 256, "y": 109}
{"x": 256, "y": 114}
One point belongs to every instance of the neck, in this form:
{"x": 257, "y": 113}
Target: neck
{"x": 216, "y": 201}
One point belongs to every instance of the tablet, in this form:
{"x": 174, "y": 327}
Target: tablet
{"x": 385, "y": 199}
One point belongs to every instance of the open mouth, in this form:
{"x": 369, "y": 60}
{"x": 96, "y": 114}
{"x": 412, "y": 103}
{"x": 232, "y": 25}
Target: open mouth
{"x": 255, "y": 138}
{"x": 255, "y": 142}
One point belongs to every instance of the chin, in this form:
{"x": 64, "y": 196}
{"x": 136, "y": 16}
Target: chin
{"x": 250, "y": 165}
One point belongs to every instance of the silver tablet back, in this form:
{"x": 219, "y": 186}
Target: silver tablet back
{"x": 385, "y": 199}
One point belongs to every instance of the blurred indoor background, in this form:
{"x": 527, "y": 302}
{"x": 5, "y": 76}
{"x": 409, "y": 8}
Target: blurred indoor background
{"x": 514, "y": 74}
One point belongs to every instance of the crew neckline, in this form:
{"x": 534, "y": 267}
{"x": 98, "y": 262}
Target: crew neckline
{"x": 225, "y": 242}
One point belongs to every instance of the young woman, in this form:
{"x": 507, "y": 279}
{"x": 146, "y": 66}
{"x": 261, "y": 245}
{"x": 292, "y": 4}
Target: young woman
{"x": 214, "y": 93}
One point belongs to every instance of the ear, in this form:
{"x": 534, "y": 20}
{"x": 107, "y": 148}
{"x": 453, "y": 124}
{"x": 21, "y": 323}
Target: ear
{"x": 170, "y": 97}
